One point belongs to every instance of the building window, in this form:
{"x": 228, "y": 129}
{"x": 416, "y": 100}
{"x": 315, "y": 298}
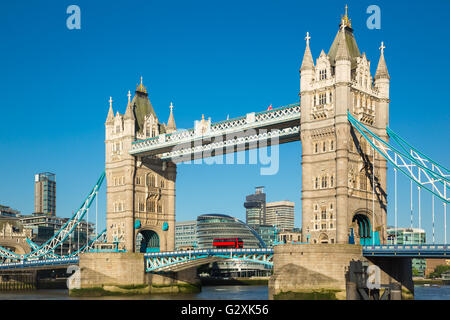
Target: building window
{"x": 324, "y": 182}
{"x": 332, "y": 145}
{"x": 322, "y": 98}
{"x": 323, "y": 74}
{"x": 150, "y": 180}
{"x": 324, "y": 146}
{"x": 317, "y": 183}
{"x": 331, "y": 181}
{"x": 331, "y": 97}
{"x": 362, "y": 181}
{"x": 324, "y": 213}
{"x": 316, "y": 147}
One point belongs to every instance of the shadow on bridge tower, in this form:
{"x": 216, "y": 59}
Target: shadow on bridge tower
{"x": 140, "y": 191}
{"x": 338, "y": 168}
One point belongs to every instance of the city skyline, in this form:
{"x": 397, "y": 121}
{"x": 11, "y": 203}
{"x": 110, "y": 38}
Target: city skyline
{"x": 66, "y": 135}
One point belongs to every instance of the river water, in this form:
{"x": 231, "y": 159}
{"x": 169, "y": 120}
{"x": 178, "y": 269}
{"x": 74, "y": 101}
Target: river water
{"x": 207, "y": 293}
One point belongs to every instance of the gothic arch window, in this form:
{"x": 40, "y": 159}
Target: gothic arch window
{"x": 324, "y": 181}
{"x": 324, "y": 213}
{"x": 159, "y": 207}
{"x": 317, "y": 183}
{"x": 316, "y": 147}
{"x": 331, "y": 181}
{"x": 323, "y": 98}
{"x": 362, "y": 181}
{"x": 150, "y": 180}
{"x": 151, "y": 205}
{"x": 332, "y": 145}
{"x": 324, "y": 146}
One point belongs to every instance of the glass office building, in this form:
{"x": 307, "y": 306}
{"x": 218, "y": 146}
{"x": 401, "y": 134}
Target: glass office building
{"x": 45, "y": 193}
{"x": 186, "y": 235}
{"x": 255, "y": 208}
{"x": 405, "y": 236}
{"x": 211, "y": 226}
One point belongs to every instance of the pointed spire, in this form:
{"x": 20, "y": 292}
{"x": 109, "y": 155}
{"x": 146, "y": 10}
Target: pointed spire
{"x": 382, "y": 71}
{"x": 171, "y": 127}
{"x": 308, "y": 63}
{"x": 129, "y": 114}
{"x": 342, "y": 52}
{"x": 110, "y": 116}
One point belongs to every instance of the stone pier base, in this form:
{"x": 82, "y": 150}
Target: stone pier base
{"x": 327, "y": 271}
{"x": 124, "y": 273}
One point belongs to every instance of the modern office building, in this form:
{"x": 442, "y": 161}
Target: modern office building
{"x": 186, "y": 235}
{"x": 45, "y": 193}
{"x": 280, "y": 214}
{"x": 267, "y": 233}
{"x": 211, "y": 226}
{"x": 8, "y": 212}
{"x": 255, "y": 207}
{"x": 43, "y": 227}
{"x": 404, "y": 236}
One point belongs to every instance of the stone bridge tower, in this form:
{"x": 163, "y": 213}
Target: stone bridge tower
{"x": 338, "y": 202}
{"x": 140, "y": 192}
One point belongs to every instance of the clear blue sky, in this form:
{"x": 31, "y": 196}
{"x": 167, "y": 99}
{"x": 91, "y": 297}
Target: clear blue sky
{"x": 208, "y": 57}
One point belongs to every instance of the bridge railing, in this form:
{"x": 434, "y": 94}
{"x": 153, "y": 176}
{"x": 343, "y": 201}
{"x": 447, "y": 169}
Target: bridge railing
{"x": 38, "y": 263}
{"x": 252, "y": 119}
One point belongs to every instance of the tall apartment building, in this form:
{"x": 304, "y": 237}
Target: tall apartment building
{"x": 45, "y": 193}
{"x": 280, "y": 214}
{"x": 255, "y": 208}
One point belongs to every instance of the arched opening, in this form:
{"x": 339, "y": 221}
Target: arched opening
{"x": 364, "y": 229}
{"x": 323, "y": 238}
{"x": 147, "y": 241}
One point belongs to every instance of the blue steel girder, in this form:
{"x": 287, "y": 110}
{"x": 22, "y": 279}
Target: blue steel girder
{"x": 426, "y": 173}
{"x": 436, "y": 251}
{"x": 47, "y": 249}
{"x": 178, "y": 260}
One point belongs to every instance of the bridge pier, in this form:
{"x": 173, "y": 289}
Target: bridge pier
{"x": 335, "y": 271}
{"x": 113, "y": 272}
{"x": 17, "y": 280}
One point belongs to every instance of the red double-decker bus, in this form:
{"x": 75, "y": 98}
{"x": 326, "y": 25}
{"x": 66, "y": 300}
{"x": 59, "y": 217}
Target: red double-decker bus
{"x": 228, "y": 243}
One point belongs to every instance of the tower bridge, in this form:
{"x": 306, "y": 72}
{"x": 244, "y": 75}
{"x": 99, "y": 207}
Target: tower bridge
{"x": 342, "y": 122}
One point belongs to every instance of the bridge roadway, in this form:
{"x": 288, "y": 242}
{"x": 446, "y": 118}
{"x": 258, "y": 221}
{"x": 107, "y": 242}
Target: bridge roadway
{"x": 178, "y": 260}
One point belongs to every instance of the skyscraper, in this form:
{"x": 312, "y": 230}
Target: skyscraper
{"x": 255, "y": 206}
{"x": 45, "y": 193}
{"x": 280, "y": 214}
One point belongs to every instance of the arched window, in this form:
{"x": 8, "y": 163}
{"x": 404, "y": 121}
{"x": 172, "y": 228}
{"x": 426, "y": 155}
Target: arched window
{"x": 331, "y": 181}
{"x": 316, "y": 147}
{"x": 317, "y": 183}
{"x": 332, "y": 145}
{"x": 324, "y": 147}
{"x": 150, "y": 180}
{"x": 362, "y": 181}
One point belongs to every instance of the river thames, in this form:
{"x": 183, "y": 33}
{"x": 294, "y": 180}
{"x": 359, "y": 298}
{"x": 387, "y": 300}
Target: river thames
{"x": 234, "y": 292}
